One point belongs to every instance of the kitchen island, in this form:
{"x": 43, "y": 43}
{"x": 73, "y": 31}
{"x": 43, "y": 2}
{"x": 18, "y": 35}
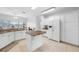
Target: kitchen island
{"x": 34, "y": 41}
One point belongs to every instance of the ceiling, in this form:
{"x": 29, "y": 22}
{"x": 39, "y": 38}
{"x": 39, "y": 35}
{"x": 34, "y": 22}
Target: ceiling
{"x": 21, "y": 11}
{"x": 38, "y": 10}
{"x": 16, "y": 11}
{"x": 26, "y": 11}
{"x": 61, "y": 10}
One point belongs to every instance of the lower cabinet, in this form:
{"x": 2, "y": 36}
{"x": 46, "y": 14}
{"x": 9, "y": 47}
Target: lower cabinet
{"x": 7, "y": 38}
{"x": 19, "y": 35}
{"x": 11, "y": 37}
{"x": 3, "y": 40}
{"x": 52, "y": 32}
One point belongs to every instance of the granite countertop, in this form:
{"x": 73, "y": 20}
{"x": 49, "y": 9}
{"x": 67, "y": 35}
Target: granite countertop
{"x": 35, "y": 33}
{"x": 9, "y": 30}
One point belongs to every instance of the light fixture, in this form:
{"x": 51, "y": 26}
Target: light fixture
{"x": 48, "y": 10}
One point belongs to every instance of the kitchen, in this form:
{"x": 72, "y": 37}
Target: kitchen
{"x": 39, "y": 29}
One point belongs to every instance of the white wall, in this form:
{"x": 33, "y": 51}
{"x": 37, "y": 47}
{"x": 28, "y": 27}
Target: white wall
{"x": 70, "y": 28}
{"x": 34, "y": 19}
{"x": 31, "y": 22}
{"x": 38, "y": 21}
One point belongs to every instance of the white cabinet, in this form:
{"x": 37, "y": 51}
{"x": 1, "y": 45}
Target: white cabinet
{"x": 11, "y": 37}
{"x": 49, "y": 34}
{"x": 56, "y": 29}
{"x": 6, "y": 39}
{"x": 20, "y": 35}
{"x": 3, "y": 40}
{"x": 23, "y": 34}
{"x": 17, "y": 35}
{"x": 34, "y": 42}
{"x": 53, "y": 32}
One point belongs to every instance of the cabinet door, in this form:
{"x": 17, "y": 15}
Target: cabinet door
{"x": 19, "y": 35}
{"x": 23, "y": 34}
{"x": 3, "y": 40}
{"x": 56, "y": 29}
{"x": 54, "y": 32}
{"x": 11, "y": 37}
